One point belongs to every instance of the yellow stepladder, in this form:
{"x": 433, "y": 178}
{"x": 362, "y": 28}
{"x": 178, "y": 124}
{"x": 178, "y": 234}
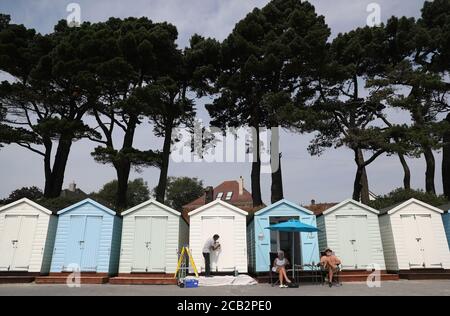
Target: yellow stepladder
{"x": 181, "y": 266}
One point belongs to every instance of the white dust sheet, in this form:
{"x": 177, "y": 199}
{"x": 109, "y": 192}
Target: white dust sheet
{"x": 241, "y": 280}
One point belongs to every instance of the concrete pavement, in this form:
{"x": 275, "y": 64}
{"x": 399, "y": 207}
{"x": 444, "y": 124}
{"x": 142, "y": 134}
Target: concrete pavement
{"x": 399, "y": 288}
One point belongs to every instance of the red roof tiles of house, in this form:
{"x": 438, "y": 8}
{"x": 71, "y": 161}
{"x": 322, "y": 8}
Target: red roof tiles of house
{"x": 227, "y": 191}
{"x": 319, "y": 208}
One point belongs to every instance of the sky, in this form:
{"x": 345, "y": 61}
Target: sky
{"x": 328, "y": 178}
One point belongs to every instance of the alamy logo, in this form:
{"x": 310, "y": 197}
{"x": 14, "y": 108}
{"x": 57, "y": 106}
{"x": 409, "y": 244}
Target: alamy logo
{"x": 374, "y": 279}
{"x": 374, "y": 18}
{"x": 74, "y": 279}
{"x": 213, "y": 145}
{"x": 74, "y": 17}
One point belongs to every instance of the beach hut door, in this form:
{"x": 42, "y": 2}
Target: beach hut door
{"x": 223, "y": 259}
{"x": 158, "y": 244}
{"x": 149, "y": 244}
{"x": 16, "y": 242}
{"x": 428, "y": 242}
{"x": 82, "y": 249}
{"x": 413, "y": 241}
{"x": 353, "y": 241}
{"x": 346, "y": 244}
{"x": 91, "y": 243}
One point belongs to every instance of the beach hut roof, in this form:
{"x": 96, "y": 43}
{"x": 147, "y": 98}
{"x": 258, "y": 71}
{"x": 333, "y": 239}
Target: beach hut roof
{"x": 397, "y": 207}
{"x": 150, "y": 202}
{"x": 285, "y": 202}
{"x": 29, "y": 202}
{"x": 87, "y": 201}
{"x": 218, "y": 202}
{"x": 350, "y": 201}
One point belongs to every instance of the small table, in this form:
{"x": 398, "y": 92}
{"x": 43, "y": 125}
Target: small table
{"x": 315, "y": 272}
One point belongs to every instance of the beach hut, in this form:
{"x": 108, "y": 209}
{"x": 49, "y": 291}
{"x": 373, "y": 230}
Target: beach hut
{"x": 152, "y": 236}
{"x": 446, "y": 220}
{"x": 87, "y": 239}
{"x": 27, "y": 235}
{"x": 264, "y": 244}
{"x": 229, "y": 222}
{"x": 352, "y": 230}
{"x": 413, "y": 237}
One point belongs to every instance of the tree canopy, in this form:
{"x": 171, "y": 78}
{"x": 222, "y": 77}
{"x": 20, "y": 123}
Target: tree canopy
{"x": 181, "y": 191}
{"x": 137, "y": 193}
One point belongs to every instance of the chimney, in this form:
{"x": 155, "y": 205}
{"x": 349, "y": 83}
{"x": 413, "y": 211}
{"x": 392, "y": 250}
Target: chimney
{"x": 241, "y": 185}
{"x": 73, "y": 187}
{"x": 313, "y": 202}
{"x": 209, "y": 195}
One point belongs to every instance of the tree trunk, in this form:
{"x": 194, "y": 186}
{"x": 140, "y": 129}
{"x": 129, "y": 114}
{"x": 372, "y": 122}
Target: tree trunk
{"x": 256, "y": 170}
{"x": 365, "y": 193}
{"x": 277, "y": 183}
{"x": 55, "y": 178}
{"x": 277, "y": 177}
{"x": 406, "y": 171}
{"x": 48, "y": 168}
{"x": 446, "y": 162}
{"x": 162, "y": 184}
{"x": 123, "y": 169}
{"x": 430, "y": 171}
{"x": 123, "y": 165}
{"x": 361, "y": 184}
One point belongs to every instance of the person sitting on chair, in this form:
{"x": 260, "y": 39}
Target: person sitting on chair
{"x": 330, "y": 263}
{"x": 279, "y": 266}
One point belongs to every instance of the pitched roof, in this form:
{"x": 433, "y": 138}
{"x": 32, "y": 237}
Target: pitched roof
{"x": 87, "y": 201}
{"x": 319, "y": 208}
{"x": 218, "y": 202}
{"x": 285, "y": 202}
{"x": 244, "y": 201}
{"x": 396, "y": 207}
{"x": 26, "y": 201}
{"x": 225, "y": 187}
{"x": 351, "y": 201}
{"x": 150, "y": 202}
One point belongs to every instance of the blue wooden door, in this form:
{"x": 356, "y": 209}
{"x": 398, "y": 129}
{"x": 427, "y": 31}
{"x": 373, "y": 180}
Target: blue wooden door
{"x": 262, "y": 241}
{"x": 90, "y": 243}
{"x": 74, "y": 242}
{"x": 309, "y": 242}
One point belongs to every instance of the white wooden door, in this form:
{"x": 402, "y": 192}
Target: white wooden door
{"x": 413, "y": 241}
{"x": 157, "y": 261}
{"x": 210, "y": 227}
{"x": 346, "y": 242}
{"x": 141, "y": 244}
{"x": 354, "y": 243}
{"x": 362, "y": 242}
{"x": 8, "y": 241}
{"x": 150, "y": 244}
{"x": 24, "y": 245}
{"x": 428, "y": 242}
{"x": 222, "y": 260}
{"x": 226, "y": 260}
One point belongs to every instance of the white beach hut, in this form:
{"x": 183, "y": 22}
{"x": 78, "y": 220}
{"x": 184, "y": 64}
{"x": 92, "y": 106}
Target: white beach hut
{"x": 352, "y": 230}
{"x": 27, "y": 236}
{"x": 229, "y": 222}
{"x": 413, "y": 237}
{"x": 152, "y": 236}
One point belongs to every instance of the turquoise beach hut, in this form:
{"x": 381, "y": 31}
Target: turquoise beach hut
{"x": 264, "y": 244}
